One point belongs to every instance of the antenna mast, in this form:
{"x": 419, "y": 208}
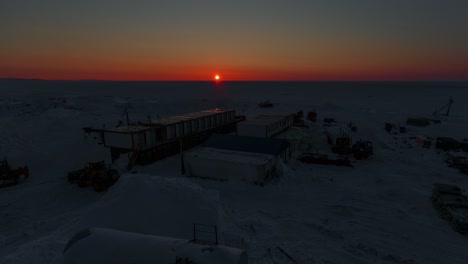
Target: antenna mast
{"x": 449, "y": 105}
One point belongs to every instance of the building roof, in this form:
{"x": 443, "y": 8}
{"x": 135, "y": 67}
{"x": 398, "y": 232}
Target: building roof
{"x": 128, "y": 129}
{"x": 274, "y": 115}
{"x": 257, "y": 122}
{"x": 266, "y": 119}
{"x": 185, "y": 117}
{"x": 230, "y": 155}
{"x": 269, "y": 146}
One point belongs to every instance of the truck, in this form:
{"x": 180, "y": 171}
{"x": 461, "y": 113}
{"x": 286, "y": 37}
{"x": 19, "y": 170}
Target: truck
{"x": 10, "y": 176}
{"x": 95, "y": 174}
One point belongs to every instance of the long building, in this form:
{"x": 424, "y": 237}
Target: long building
{"x": 238, "y": 158}
{"x": 265, "y": 125}
{"x": 156, "y": 139}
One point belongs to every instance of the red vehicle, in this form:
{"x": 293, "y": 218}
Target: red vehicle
{"x": 95, "y": 174}
{"x": 9, "y": 176}
{"x": 312, "y": 116}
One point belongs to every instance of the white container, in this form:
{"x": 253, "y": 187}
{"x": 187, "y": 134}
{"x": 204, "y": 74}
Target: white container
{"x": 204, "y": 162}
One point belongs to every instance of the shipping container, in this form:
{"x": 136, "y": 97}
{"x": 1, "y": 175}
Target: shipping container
{"x": 229, "y": 165}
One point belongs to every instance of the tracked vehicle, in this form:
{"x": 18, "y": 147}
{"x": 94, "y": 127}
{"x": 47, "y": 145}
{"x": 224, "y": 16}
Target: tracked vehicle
{"x": 95, "y": 174}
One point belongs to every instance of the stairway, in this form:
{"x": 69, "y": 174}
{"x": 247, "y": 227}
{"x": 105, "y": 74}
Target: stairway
{"x": 133, "y": 158}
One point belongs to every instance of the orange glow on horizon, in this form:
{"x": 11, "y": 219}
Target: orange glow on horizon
{"x": 119, "y": 69}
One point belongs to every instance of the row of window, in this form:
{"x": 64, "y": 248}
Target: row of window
{"x": 192, "y": 126}
{"x": 278, "y": 126}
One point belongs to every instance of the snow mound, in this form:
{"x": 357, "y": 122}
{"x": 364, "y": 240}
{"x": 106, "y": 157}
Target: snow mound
{"x": 153, "y": 205}
{"x": 97, "y": 245}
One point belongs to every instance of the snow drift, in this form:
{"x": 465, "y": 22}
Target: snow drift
{"x": 97, "y": 245}
{"x": 153, "y": 205}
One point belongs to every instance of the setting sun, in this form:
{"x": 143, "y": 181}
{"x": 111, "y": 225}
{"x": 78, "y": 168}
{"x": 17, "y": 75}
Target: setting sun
{"x": 217, "y": 77}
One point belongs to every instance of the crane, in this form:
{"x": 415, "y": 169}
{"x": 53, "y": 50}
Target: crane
{"x": 448, "y": 106}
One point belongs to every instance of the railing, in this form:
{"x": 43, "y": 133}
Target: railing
{"x": 200, "y": 231}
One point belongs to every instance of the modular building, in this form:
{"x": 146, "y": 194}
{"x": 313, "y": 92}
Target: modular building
{"x": 129, "y": 137}
{"x": 249, "y": 159}
{"x": 265, "y": 125}
{"x": 156, "y": 139}
{"x": 192, "y": 123}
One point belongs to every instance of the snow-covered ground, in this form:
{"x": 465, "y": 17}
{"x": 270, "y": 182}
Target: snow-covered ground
{"x": 377, "y": 212}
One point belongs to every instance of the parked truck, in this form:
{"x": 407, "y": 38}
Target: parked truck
{"x": 363, "y": 149}
{"x": 10, "y": 176}
{"x": 95, "y": 174}
{"x": 452, "y": 205}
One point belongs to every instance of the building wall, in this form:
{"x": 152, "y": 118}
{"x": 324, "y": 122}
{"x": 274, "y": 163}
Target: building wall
{"x": 143, "y": 139}
{"x": 266, "y": 127}
{"x": 202, "y": 167}
{"x": 173, "y": 131}
{"x": 118, "y": 140}
{"x": 286, "y": 155}
{"x": 251, "y": 130}
{"x": 150, "y": 138}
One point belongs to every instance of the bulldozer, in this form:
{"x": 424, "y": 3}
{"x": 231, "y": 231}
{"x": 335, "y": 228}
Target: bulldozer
{"x": 9, "y": 176}
{"x": 95, "y": 174}
{"x": 312, "y": 116}
{"x": 363, "y": 149}
{"x": 342, "y": 146}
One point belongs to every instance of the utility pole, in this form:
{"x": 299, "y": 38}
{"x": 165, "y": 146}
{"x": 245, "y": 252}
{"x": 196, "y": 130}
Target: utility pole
{"x": 128, "y": 120}
{"x": 182, "y": 165}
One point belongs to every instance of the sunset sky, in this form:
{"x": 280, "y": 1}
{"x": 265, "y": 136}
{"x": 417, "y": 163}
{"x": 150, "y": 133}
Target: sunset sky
{"x": 239, "y": 40}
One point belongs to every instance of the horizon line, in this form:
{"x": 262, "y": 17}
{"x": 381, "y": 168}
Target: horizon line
{"x": 220, "y": 81}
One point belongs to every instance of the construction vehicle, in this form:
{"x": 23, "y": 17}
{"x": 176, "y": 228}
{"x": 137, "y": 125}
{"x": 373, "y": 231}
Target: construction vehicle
{"x": 328, "y": 121}
{"x": 388, "y": 127}
{"x": 9, "y": 176}
{"x": 312, "y": 116}
{"x": 342, "y": 146}
{"x": 452, "y": 205}
{"x": 266, "y": 104}
{"x": 447, "y": 144}
{"x": 95, "y": 174}
{"x": 459, "y": 163}
{"x": 363, "y": 149}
